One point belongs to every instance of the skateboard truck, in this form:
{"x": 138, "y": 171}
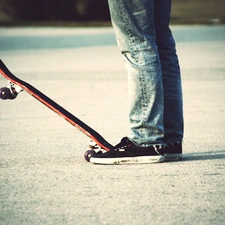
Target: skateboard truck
{"x": 92, "y": 150}
{"x": 10, "y": 92}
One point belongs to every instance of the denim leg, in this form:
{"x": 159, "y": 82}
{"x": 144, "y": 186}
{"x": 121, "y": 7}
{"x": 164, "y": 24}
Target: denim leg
{"x": 133, "y": 22}
{"x": 173, "y": 102}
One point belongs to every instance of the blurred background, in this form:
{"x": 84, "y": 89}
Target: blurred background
{"x": 21, "y": 12}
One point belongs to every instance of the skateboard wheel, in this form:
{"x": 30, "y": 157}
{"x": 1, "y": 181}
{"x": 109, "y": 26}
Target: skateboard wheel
{"x": 88, "y": 154}
{"x": 5, "y": 93}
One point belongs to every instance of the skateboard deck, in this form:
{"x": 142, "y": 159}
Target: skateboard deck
{"x": 16, "y": 85}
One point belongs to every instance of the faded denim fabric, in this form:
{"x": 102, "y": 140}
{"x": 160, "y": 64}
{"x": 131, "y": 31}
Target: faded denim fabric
{"x": 148, "y": 48}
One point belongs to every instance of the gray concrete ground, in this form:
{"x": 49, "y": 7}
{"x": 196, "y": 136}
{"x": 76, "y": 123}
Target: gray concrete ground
{"x": 43, "y": 176}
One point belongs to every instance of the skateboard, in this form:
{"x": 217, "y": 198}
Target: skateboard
{"x": 15, "y": 85}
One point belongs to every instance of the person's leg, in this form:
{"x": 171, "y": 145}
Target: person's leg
{"x": 133, "y": 22}
{"x": 173, "y": 103}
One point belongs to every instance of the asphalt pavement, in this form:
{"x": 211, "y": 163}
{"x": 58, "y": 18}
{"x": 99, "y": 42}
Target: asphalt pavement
{"x": 44, "y": 178}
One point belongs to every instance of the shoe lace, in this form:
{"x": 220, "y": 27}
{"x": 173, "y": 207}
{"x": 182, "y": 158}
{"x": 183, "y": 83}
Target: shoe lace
{"x": 122, "y": 145}
{"x": 157, "y": 148}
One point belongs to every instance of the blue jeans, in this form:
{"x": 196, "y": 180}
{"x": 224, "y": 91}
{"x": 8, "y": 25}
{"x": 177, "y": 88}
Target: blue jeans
{"x": 148, "y": 48}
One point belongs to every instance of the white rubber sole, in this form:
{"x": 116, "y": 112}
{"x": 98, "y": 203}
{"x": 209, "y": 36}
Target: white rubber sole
{"x": 127, "y": 160}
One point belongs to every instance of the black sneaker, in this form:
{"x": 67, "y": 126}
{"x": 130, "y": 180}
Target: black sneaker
{"x": 173, "y": 152}
{"x": 126, "y": 152}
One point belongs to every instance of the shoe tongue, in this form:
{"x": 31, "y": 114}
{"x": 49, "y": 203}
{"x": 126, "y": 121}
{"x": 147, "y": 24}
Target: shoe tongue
{"x": 122, "y": 143}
